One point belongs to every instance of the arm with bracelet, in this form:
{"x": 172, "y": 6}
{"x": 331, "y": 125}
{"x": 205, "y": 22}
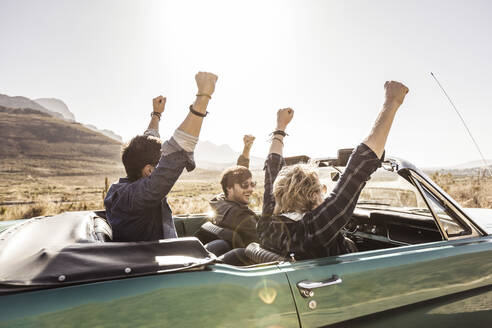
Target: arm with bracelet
{"x": 136, "y": 206}
{"x": 275, "y": 161}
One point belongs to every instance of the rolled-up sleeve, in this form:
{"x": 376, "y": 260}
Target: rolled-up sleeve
{"x": 152, "y": 133}
{"x": 154, "y": 188}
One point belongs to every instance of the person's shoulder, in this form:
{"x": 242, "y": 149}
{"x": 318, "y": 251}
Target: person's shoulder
{"x": 240, "y": 210}
{"x": 220, "y": 205}
{"x": 218, "y": 198}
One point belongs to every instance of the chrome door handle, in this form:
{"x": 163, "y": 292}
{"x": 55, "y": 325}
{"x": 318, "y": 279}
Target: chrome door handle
{"x": 306, "y": 287}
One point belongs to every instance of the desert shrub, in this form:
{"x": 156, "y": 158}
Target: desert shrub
{"x": 469, "y": 191}
{"x": 34, "y": 210}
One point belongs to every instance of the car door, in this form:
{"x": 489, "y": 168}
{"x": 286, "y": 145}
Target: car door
{"x": 453, "y": 273}
{"x": 219, "y": 296}
{"x": 337, "y": 289}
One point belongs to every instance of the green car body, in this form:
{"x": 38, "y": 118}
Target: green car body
{"x": 443, "y": 283}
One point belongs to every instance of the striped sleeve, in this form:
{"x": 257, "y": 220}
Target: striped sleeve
{"x": 323, "y": 224}
{"x": 273, "y": 165}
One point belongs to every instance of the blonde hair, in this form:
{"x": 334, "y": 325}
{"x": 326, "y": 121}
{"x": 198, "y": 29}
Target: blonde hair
{"x": 296, "y": 189}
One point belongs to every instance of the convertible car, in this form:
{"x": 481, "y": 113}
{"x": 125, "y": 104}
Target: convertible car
{"x": 420, "y": 260}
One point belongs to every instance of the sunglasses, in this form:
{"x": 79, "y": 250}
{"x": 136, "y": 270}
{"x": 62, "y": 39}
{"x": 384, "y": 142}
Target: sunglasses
{"x": 246, "y": 184}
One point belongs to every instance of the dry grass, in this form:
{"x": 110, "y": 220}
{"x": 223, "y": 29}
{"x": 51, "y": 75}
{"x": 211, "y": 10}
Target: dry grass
{"x": 469, "y": 191}
{"x": 53, "y": 195}
{"x": 191, "y": 194}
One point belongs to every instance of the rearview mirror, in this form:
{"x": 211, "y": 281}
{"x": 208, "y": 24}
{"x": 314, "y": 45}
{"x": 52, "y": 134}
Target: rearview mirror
{"x": 343, "y": 156}
{"x": 297, "y": 159}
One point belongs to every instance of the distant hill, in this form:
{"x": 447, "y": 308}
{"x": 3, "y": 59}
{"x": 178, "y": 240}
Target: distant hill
{"x": 37, "y": 143}
{"x": 218, "y": 157}
{"x": 471, "y": 165}
{"x": 58, "y": 106}
{"x": 23, "y": 102}
{"x": 471, "y": 168}
{"x": 45, "y": 131}
{"x": 106, "y": 132}
{"x": 52, "y": 106}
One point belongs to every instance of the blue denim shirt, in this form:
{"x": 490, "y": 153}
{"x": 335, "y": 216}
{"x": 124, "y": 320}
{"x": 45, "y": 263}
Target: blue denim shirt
{"x": 138, "y": 210}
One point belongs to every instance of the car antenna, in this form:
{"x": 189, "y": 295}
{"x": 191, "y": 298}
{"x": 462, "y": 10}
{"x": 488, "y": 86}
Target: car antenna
{"x": 463, "y": 121}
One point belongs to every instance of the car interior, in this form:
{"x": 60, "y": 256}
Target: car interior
{"x": 391, "y": 212}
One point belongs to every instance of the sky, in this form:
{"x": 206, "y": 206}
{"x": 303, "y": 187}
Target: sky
{"x": 328, "y": 60}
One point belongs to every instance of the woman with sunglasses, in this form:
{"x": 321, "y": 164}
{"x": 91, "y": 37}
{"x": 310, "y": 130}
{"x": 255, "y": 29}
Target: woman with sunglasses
{"x": 296, "y": 218}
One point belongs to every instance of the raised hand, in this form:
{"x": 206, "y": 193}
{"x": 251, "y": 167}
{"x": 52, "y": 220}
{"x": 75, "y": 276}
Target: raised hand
{"x": 284, "y": 116}
{"x": 395, "y": 92}
{"x": 206, "y": 83}
{"x": 159, "y": 103}
{"x": 248, "y": 140}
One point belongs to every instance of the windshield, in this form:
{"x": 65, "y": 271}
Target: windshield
{"x": 385, "y": 188}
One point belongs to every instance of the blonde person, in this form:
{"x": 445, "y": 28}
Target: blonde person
{"x": 296, "y": 218}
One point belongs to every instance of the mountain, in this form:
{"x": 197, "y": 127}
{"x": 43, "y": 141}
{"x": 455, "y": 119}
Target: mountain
{"x": 52, "y": 106}
{"x": 51, "y": 134}
{"x": 218, "y": 157}
{"x": 106, "y": 132}
{"x": 57, "y": 106}
{"x": 35, "y": 143}
{"x": 23, "y": 102}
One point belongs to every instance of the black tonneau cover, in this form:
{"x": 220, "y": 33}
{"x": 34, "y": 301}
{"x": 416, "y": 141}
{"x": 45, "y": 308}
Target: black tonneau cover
{"x": 64, "y": 249}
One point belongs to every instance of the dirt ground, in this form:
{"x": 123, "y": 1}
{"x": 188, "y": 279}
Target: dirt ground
{"x": 25, "y": 196}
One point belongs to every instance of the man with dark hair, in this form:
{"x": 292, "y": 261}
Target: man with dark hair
{"x": 136, "y": 206}
{"x": 231, "y": 207}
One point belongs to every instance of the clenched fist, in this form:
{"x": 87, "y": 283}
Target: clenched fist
{"x": 284, "y": 116}
{"x": 248, "y": 140}
{"x": 159, "y": 103}
{"x": 205, "y": 82}
{"x": 395, "y": 92}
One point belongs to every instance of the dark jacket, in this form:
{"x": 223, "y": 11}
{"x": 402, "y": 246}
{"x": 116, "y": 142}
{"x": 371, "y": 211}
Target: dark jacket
{"x": 235, "y": 216}
{"x": 315, "y": 233}
{"x": 138, "y": 210}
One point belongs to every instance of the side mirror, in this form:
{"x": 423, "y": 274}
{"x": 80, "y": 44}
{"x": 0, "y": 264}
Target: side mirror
{"x": 334, "y": 176}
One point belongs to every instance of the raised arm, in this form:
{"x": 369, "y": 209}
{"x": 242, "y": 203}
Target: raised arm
{"x": 323, "y": 224}
{"x": 284, "y": 116}
{"x": 193, "y": 121}
{"x": 243, "y": 159}
{"x": 275, "y": 161}
{"x": 177, "y": 152}
{"x": 158, "y": 104}
{"x": 395, "y": 94}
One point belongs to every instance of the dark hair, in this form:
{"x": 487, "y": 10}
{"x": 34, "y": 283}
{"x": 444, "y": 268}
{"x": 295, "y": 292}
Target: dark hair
{"x": 138, "y": 152}
{"x": 234, "y": 174}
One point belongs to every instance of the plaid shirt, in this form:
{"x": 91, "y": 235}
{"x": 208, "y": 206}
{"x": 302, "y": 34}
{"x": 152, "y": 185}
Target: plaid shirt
{"x": 317, "y": 233}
